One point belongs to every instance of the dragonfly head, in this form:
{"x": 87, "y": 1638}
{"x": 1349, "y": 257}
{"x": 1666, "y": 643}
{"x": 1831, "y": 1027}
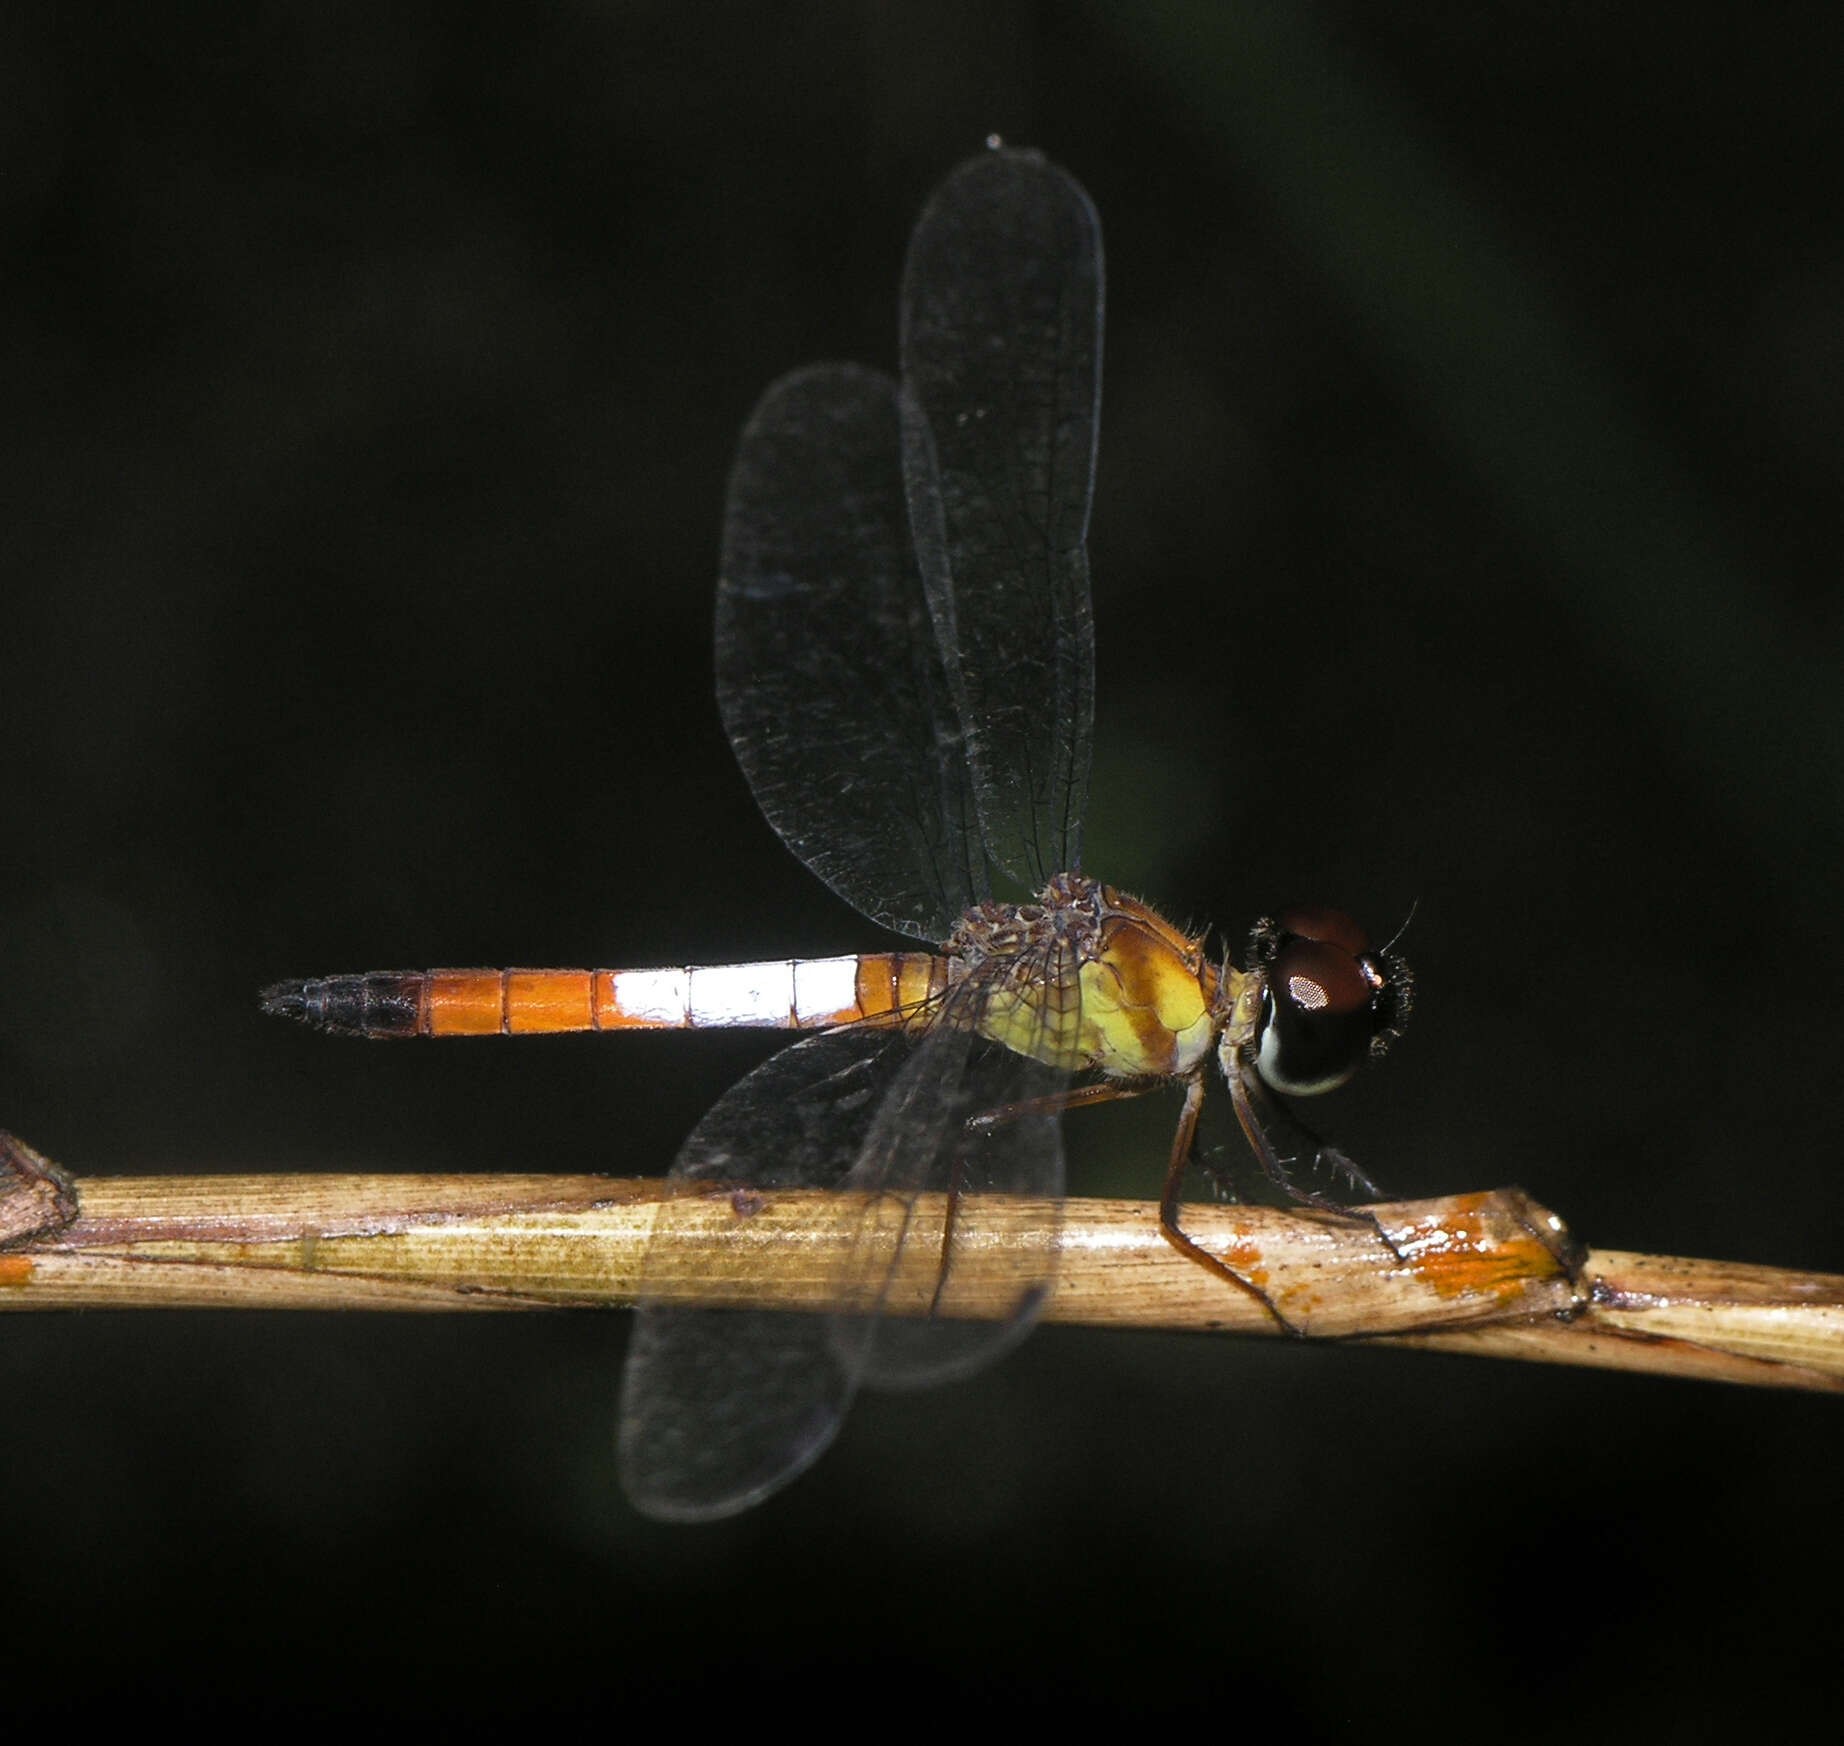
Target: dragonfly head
{"x": 1328, "y": 999}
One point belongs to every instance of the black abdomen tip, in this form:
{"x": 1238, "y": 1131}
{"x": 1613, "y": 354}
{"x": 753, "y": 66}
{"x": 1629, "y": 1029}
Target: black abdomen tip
{"x": 382, "y": 1004}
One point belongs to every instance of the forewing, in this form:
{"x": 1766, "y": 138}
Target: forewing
{"x": 829, "y": 676}
{"x": 1001, "y": 368}
{"x": 719, "y": 1408}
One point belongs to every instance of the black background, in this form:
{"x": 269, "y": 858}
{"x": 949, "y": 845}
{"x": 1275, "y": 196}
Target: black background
{"x": 1465, "y": 536}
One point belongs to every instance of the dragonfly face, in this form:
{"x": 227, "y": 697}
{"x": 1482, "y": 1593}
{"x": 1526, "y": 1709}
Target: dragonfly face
{"x": 905, "y": 668}
{"x": 1328, "y": 1000}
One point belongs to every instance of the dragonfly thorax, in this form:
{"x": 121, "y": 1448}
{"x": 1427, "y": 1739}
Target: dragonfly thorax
{"x": 1089, "y": 979}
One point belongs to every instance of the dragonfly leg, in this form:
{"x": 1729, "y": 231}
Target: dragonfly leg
{"x": 1077, "y": 1097}
{"x": 1175, "y": 1234}
{"x": 957, "y": 1178}
{"x": 1247, "y": 1095}
{"x": 1341, "y": 1163}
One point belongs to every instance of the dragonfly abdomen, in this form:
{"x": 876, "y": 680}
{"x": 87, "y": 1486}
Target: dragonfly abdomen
{"x": 795, "y": 994}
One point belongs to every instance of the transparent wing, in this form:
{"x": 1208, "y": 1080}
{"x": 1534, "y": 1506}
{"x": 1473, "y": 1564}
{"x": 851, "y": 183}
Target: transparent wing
{"x": 905, "y": 667}
{"x": 985, "y": 1253}
{"x": 720, "y": 1408}
{"x": 828, "y": 673}
{"x": 1001, "y": 376}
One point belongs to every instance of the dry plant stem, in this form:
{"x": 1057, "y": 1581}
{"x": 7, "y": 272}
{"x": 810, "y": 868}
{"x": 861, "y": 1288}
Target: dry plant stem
{"x": 1492, "y": 1274}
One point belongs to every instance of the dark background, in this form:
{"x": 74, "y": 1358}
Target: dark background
{"x": 1465, "y": 536}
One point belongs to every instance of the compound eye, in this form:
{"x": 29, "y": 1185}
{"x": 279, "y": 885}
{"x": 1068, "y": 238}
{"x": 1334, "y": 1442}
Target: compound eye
{"x": 1320, "y": 1013}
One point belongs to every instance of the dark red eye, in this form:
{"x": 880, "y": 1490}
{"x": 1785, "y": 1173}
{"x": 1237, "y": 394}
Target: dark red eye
{"x": 1330, "y": 999}
{"x": 1309, "y": 921}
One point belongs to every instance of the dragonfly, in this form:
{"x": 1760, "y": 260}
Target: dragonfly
{"x": 905, "y": 669}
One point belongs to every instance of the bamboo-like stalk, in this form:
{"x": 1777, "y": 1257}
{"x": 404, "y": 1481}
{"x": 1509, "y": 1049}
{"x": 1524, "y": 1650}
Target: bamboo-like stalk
{"x": 1492, "y": 1274}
